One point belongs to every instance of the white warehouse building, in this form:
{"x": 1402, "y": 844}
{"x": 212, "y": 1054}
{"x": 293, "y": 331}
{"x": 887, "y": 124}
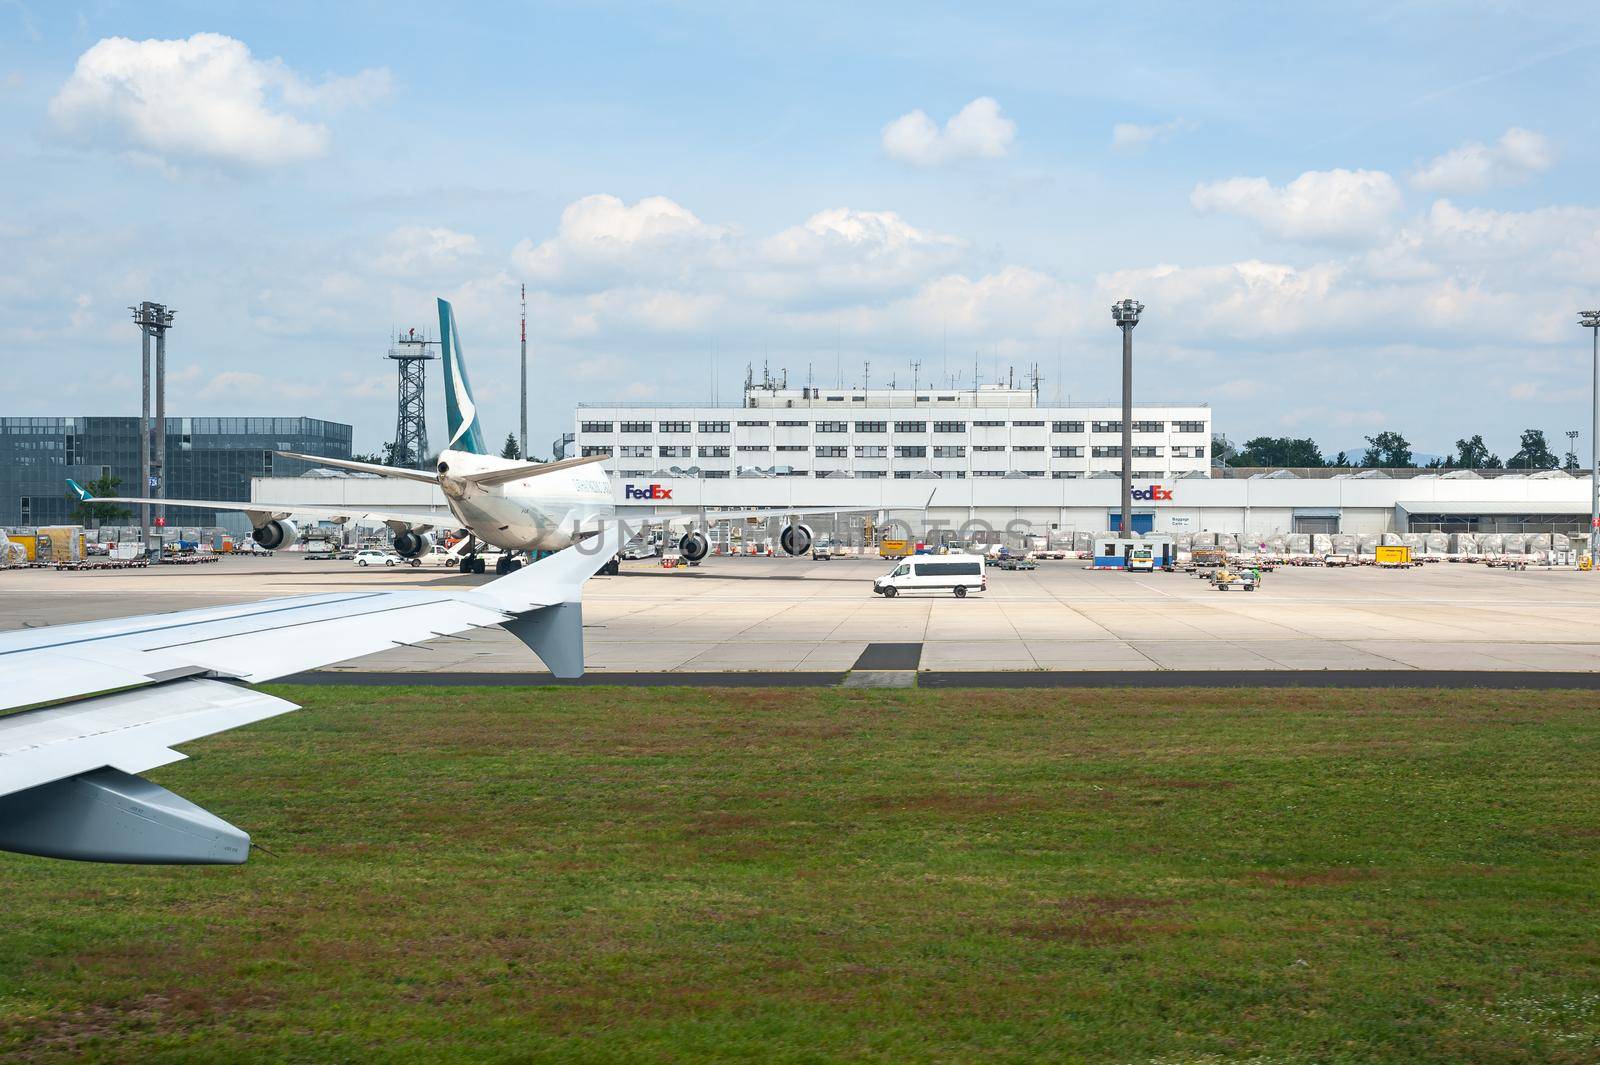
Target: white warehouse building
{"x": 944, "y": 458}
{"x": 888, "y": 434}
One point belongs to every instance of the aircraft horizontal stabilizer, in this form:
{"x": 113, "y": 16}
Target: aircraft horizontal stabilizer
{"x": 364, "y": 467}
{"x": 527, "y": 469}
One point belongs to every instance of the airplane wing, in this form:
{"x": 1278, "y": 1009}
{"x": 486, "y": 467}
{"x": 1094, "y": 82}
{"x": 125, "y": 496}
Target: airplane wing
{"x": 260, "y": 513}
{"x": 365, "y": 467}
{"x": 85, "y": 708}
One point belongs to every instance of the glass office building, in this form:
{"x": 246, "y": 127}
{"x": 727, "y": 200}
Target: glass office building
{"x": 206, "y": 458}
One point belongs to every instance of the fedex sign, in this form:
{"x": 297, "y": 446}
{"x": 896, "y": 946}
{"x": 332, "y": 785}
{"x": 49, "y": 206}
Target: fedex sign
{"x": 1155, "y": 493}
{"x": 654, "y": 491}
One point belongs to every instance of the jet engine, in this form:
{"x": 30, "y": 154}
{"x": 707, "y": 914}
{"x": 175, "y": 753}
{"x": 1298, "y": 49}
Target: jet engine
{"x": 796, "y": 539}
{"x": 694, "y": 546}
{"x": 276, "y": 534}
{"x": 412, "y": 544}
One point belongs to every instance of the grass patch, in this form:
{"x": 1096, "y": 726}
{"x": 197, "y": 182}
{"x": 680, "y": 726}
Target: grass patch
{"x": 593, "y": 874}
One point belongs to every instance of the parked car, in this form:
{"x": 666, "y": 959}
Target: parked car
{"x": 822, "y": 549}
{"x": 370, "y": 557}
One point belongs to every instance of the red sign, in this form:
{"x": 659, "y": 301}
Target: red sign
{"x": 161, "y": 522}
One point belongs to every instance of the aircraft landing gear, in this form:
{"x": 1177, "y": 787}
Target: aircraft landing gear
{"x": 470, "y": 562}
{"x": 507, "y": 563}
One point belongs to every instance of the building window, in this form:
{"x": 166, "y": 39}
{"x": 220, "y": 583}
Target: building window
{"x": 1028, "y": 447}
{"x": 1066, "y": 475}
{"x": 673, "y": 451}
{"x": 755, "y": 425}
{"x": 793, "y": 425}
{"x": 988, "y": 425}
{"x": 872, "y": 427}
{"x": 713, "y": 474}
{"x": 1106, "y": 452}
{"x": 833, "y": 427}
{"x": 719, "y": 451}
{"x": 833, "y": 451}
{"x": 1107, "y": 427}
{"x": 1066, "y": 427}
{"x": 590, "y": 450}
{"x": 1149, "y": 427}
{"x": 26, "y": 505}
{"x": 1067, "y": 452}
{"x": 989, "y": 447}
{"x": 1146, "y": 452}
{"x": 636, "y": 451}
{"x": 947, "y": 399}
{"x": 793, "y": 447}
{"x": 988, "y": 473}
{"x": 1028, "y": 425}
{"x": 950, "y": 451}
{"x": 636, "y": 427}
{"x": 594, "y": 427}
{"x": 1198, "y": 452}
{"x": 763, "y": 448}
{"x": 674, "y": 427}
{"x": 949, "y": 427}
{"x": 903, "y": 475}
{"x": 713, "y": 427}
{"x": 910, "y": 427}
{"x": 869, "y": 475}
{"x": 1188, "y": 427}
{"x": 835, "y": 399}
{"x": 910, "y": 452}
{"x": 871, "y": 451}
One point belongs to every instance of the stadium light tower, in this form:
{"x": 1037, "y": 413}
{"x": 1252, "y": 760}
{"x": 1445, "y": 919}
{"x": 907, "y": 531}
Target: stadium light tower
{"x": 1590, "y": 320}
{"x": 1126, "y": 315}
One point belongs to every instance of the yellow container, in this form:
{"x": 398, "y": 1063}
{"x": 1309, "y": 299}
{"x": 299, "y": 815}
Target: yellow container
{"x": 894, "y": 548}
{"x": 1393, "y": 555}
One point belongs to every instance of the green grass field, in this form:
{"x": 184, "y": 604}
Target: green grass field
{"x": 794, "y": 876}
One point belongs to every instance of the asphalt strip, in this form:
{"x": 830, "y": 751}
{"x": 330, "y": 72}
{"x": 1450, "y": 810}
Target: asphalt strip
{"x": 1362, "y": 678}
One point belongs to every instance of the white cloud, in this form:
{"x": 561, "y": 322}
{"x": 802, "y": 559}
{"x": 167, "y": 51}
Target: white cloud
{"x": 1474, "y": 167}
{"x": 1131, "y": 137}
{"x": 426, "y": 250}
{"x": 601, "y": 240}
{"x": 203, "y": 97}
{"x": 1339, "y": 206}
{"x": 977, "y": 131}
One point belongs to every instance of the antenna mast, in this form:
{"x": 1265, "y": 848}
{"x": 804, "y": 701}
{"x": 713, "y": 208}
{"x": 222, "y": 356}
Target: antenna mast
{"x": 522, "y": 440}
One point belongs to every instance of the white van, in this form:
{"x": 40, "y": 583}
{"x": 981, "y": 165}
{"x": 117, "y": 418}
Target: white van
{"x": 930, "y": 573}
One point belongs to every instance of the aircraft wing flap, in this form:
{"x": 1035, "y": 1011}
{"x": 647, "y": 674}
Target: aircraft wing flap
{"x": 436, "y": 516}
{"x": 132, "y": 731}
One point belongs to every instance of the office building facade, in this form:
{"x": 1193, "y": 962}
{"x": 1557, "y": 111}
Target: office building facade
{"x": 206, "y": 458}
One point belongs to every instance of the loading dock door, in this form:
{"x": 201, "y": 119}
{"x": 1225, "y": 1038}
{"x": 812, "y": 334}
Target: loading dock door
{"x": 1315, "y": 520}
{"x": 1142, "y": 523}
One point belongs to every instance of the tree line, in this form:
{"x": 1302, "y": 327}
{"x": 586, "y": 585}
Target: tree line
{"x": 1390, "y": 450}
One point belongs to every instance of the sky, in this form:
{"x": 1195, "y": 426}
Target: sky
{"x": 1341, "y": 218}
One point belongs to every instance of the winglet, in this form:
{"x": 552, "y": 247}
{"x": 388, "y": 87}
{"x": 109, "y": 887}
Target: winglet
{"x": 83, "y": 493}
{"x": 461, "y": 413}
{"x": 544, "y": 600}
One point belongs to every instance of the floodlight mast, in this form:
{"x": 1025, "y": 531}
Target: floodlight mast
{"x": 1590, "y": 320}
{"x": 1126, "y": 315}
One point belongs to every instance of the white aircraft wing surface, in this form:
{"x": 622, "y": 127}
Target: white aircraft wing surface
{"x": 437, "y": 517}
{"x": 83, "y": 708}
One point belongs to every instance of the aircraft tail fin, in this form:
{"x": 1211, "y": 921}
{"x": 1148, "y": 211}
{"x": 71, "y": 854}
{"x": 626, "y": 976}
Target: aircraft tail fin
{"x": 461, "y": 413}
{"x": 83, "y": 493}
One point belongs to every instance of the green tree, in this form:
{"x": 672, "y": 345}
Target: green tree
{"x": 97, "y": 514}
{"x": 1280, "y": 451}
{"x": 1473, "y": 454}
{"x": 1388, "y": 451}
{"x": 1534, "y": 454}
{"x": 384, "y": 456}
{"x": 1341, "y": 461}
{"x": 511, "y": 450}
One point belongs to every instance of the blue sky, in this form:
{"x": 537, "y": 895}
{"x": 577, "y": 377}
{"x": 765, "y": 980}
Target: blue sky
{"x": 1342, "y": 219}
